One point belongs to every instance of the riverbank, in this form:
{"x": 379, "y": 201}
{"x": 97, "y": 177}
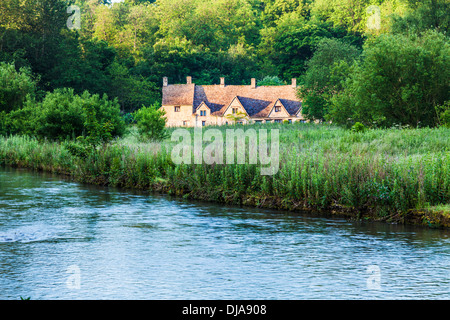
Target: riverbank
{"x": 399, "y": 176}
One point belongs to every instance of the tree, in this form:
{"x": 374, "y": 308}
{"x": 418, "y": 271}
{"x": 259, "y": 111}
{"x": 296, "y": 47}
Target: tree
{"x": 62, "y": 115}
{"x": 131, "y": 91}
{"x": 14, "y": 86}
{"x": 291, "y": 43}
{"x": 275, "y": 9}
{"x": 271, "y": 81}
{"x": 151, "y": 122}
{"x": 424, "y": 15}
{"x": 400, "y": 80}
{"x": 324, "y": 75}
{"x": 237, "y": 117}
{"x": 443, "y": 112}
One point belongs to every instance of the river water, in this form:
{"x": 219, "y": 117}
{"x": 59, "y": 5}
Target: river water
{"x": 65, "y": 240}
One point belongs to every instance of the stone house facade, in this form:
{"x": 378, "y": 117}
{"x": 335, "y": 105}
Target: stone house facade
{"x": 193, "y": 105}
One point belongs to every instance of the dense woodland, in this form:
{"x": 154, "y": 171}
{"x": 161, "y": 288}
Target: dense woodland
{"x": 383, "y": 63}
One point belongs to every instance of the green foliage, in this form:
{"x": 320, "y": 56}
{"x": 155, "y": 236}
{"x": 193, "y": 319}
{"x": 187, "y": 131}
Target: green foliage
{"x": 324, "y": 76}
{"x": 123, "y": 49}
{"x": 443, "y": 112}
{"x": 64, "y": 115}
{"x": 358, "y": 127}
{"x": 14, "y": 86}
{"x": 105, "y": 111}
{"x": 128, "y": 118}
{"x": 271, "y": 81}
{"x": 97, "y": 131}
{"x": 237, "y": 117}
{"x": 424, "y": 15}
{"x": 59, "y": 116}
{"x": 151, "y": 122}
{"x": 400, "y": 80}
{"x": 383, "y": 173}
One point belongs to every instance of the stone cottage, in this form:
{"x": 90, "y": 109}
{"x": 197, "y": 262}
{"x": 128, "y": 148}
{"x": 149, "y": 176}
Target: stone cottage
{"x": 193, "y": 105}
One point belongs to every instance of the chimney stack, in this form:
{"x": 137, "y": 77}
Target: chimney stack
{"x": 165, "y": 82}
{"x": 294, "y": 83}
{"x": 253, "y": 84}
{"x": 222, "y": 82}
{"x": 189, "y": 80}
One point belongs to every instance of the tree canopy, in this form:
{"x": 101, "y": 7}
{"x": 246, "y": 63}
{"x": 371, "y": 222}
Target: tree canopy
{"x": 123, "y": 49}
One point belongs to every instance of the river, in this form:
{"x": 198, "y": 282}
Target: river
{"x": 64, "y": 240}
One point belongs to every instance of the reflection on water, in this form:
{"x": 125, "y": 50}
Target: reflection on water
{"x": 127, "y": 245}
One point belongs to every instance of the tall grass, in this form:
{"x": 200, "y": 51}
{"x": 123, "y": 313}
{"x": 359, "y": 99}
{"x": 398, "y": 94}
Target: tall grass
{"x": 383, "y": 173}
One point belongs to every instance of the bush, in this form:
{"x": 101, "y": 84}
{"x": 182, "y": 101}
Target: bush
{"x": 106, "y": 111}
{"x": 64, "y": 115}
{"x": 151, "y": 123}
{"x": 59, "y": 116}
{"x": 271, "y": 81}
{"x": 358, "y": 127}
{"x": 444, "y": 114}
{"x": 400, "y": 80}
{"x": 14, "y": 87}
{"x": 128, "y": 118}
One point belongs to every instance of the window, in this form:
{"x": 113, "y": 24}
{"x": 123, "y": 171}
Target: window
{"x": 277, "y": 109}
{"x": 185, "y": 123}
{"x": 258, "y": 121}
{"x": 203, "y": 113}
{"x": 277, "y": 120}
{"x": 235, "y": 110}
{"x": 203, "y": 123}
{"x": 177, "y": 108}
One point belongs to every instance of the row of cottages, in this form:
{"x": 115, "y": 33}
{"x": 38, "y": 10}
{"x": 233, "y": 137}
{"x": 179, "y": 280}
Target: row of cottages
{"x": 193, "y": 105}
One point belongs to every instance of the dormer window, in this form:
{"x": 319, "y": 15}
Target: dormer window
{"x": 202, "y": 113}
{"x": 177, "y": 109}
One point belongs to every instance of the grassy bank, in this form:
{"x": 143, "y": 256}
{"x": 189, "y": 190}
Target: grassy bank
{"x": 388, "y": 175}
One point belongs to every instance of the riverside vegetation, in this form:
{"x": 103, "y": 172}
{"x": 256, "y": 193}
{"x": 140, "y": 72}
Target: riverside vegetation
{"x": 83, "y": 102}
{"x": 396, "y": 175}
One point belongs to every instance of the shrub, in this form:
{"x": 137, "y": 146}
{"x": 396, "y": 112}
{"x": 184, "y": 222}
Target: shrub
{"x": 358, "y": 127}
{"x": 150, "y": 122}
{"x": 63, "y": 115}
{"x": 271, "y": 81}
{"x": 444, "y": 114}
{"x": 14, "y": 86}
{"x": 128, "y": 118}
{"x": 106, "y": 111}
{"x": 400, "y": 80}
{"x": 59, "y": 116}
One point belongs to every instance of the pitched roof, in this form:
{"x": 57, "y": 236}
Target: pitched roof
{"x": 178, "y": 95}
{"x": 291, "y": 106}
{"x": 258, "y": 101}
